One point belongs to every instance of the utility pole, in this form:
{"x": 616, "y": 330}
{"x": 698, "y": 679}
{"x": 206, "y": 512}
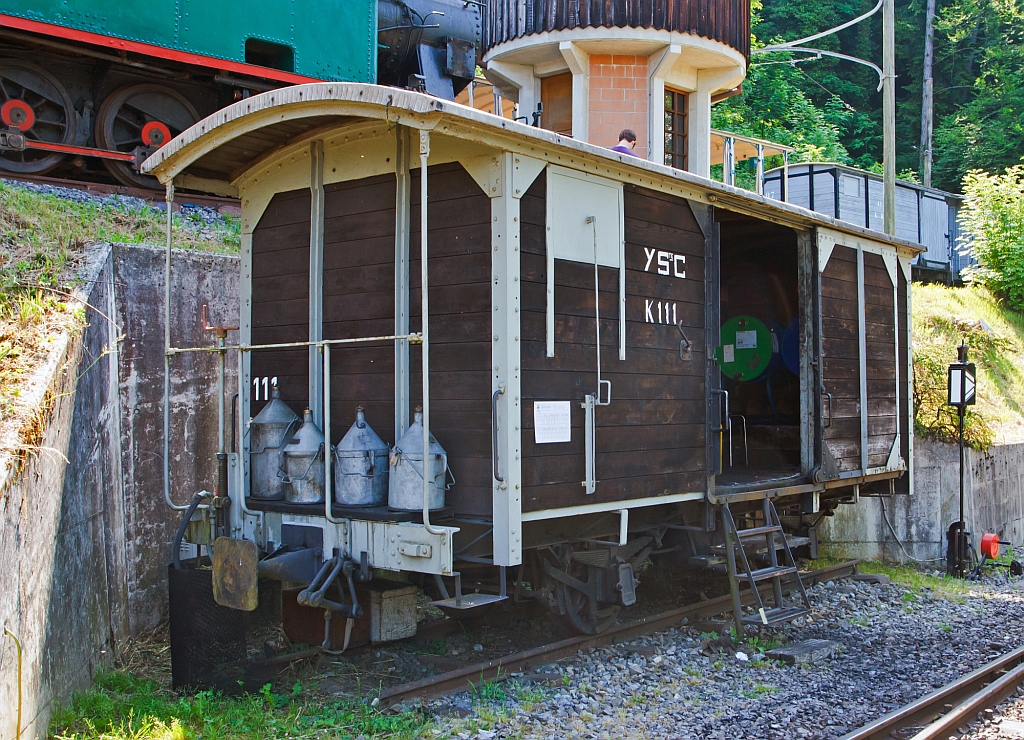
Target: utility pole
{"x": 927, "y": 101}
{"x": 889, "y": 117}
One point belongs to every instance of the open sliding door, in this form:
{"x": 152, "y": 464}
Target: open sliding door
{"x": 859, "y": 373}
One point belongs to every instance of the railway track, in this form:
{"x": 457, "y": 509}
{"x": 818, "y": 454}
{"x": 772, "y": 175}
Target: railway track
{"x": 939, "y": 714}
{"x": 466, "y": 678}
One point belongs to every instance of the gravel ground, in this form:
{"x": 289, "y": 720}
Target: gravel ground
{"x": 896, "y": 643}
{"x": 1003, "y": 721}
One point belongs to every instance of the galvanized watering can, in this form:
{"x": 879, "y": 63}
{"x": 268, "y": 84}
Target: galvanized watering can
{"x": 269, "y": 432}
{"x": 361, "y": 466}
{"x": 405, "y": 489}
{"x": 302, "y": 464}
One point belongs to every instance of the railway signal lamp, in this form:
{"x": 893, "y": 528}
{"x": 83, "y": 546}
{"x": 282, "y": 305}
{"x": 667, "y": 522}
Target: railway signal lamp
{"x": 961, "y": 393}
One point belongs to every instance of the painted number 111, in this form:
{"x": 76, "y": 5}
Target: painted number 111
{"x": 266, "y": 382}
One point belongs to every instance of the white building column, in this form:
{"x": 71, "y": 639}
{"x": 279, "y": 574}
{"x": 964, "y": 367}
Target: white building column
{"x": 698, "y": 139}
{"x": 698, "y": 135}
{"x": 579, "y": 64}
{"x": 516, "y": 82}
{"x": 659, "y": 65}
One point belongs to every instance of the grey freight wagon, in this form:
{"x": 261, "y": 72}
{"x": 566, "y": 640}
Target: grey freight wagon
{"x": 927, "y": 216}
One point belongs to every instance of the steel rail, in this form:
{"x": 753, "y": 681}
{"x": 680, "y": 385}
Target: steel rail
{"x": 942, "y": 711}
{"x": 462, "y": 679}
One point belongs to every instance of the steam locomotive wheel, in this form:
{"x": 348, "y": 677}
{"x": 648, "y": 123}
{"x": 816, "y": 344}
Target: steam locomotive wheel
{"x": 146, "y": 115}
{"x": 36, "y": 104}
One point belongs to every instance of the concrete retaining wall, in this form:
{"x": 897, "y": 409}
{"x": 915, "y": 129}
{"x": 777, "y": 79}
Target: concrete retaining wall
{"x": 84, "y": 531}
{"x": 994, "y": 501}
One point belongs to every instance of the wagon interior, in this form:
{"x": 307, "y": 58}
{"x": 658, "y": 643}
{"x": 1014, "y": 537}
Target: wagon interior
{"x": 759, "y": 278}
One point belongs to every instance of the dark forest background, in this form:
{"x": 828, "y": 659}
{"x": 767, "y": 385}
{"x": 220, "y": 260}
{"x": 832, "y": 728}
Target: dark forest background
{"x": 830, "y": 111}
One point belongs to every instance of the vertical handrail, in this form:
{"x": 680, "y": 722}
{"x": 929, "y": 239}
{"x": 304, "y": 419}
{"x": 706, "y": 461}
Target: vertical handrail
{"x": 329, "y": 454}
{"x": 494, "y": 432}
{"x": 424, "y": 335}
{"x": 167, "y": 357}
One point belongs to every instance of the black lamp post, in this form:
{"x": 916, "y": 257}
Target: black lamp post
{"x": 962, "y": 392}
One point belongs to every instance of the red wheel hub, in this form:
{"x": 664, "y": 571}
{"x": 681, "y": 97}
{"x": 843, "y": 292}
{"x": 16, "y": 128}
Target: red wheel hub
{"x": 18, "y": 113}
{"x": 990, "y": 545}
{"x": 155, "y": 134}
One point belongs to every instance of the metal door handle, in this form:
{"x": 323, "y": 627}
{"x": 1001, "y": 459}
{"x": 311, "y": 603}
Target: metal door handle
{"x": 829, "y": 397}
{"x": 726, "y": 424}
{"x": 494, "y": 432}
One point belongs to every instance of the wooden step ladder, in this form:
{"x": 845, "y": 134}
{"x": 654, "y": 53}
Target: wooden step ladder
{"x": 774, "y": 541}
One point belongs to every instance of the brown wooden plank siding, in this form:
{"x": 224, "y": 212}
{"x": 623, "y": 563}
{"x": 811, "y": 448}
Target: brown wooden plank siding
{"x": 903, "y": 484}
{"x": 840, "y": 367}
{"x": 727, "y": 21}
{"x": 881, "y": 360}
{"x": 280, "y": 296}
{"x": 359, "y": 301}
{"x": 651, "y": 440}
{"x": 459, "y": 235}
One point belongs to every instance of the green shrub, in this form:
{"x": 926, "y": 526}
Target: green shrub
{"x": 993, "y": 222}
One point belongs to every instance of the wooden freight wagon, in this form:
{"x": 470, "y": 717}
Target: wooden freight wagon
{"x": 752, "y": 369}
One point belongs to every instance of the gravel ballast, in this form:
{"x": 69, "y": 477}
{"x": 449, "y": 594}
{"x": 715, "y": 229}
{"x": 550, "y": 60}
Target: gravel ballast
{"x": 896, "y": 644}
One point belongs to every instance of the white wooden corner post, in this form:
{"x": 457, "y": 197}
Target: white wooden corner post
{"x": 512, "y": 179}
{"x": 316, "y": 282}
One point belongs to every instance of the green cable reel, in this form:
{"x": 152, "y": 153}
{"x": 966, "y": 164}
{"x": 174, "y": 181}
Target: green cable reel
{"x": 750, "y": 348}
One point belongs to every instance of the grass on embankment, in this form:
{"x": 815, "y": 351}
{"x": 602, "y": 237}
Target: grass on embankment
{"x": 124, "y": 707}
{"x": 942, "y": 318}
{"x": 42, "y": 245}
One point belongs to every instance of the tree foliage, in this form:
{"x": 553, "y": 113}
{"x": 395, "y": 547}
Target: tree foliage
{"x": 831, "y": 109}
{"x": 993, "y": 222}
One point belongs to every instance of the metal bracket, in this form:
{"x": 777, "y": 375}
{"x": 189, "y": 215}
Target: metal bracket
{"x": 685, "y": 346}
{"x": 589, "y": 433}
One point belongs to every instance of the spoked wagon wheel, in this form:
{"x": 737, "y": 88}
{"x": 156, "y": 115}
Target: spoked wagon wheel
{"x": 146, "y": 115}
{"x": 576, "y": 588}
{"x": 36, "y": 104}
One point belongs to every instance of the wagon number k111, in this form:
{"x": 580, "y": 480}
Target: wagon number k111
{"x": 664, "y": 263}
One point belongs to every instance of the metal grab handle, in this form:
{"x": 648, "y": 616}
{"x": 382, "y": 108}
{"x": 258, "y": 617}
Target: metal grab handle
{"x": 685, "y": 346}
{"x": 829, "y": 397}
{"x": 494, "y": 432}
{"x": 726, "y": 424}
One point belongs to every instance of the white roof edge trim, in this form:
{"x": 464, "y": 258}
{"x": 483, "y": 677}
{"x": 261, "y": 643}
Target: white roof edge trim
{"x": 419, "y": 110}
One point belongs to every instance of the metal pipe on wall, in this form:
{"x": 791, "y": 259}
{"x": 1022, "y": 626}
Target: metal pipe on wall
{"x": 167, "y": 355}
{"x": 328, "y": 480}
{"x": 425, "y": 344}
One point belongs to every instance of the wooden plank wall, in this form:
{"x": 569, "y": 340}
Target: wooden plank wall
{"x": 359, "y": 301}
{"x": 904, "y": 391}
{"x": 879, "y": 297}
{"x": 840, "y": 351}
{"x": 651, "y": 439}
{"x": 459, "y": 234}
{"x": 280, "y": 296}
{"x": 721, "y": 20}
{"x": 841, "y": 363}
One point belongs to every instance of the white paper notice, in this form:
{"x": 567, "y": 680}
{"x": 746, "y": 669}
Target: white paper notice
{"x": 746, "y": 339}
{"x": 552, "y": 421}
{"x": 729, "y": 353}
